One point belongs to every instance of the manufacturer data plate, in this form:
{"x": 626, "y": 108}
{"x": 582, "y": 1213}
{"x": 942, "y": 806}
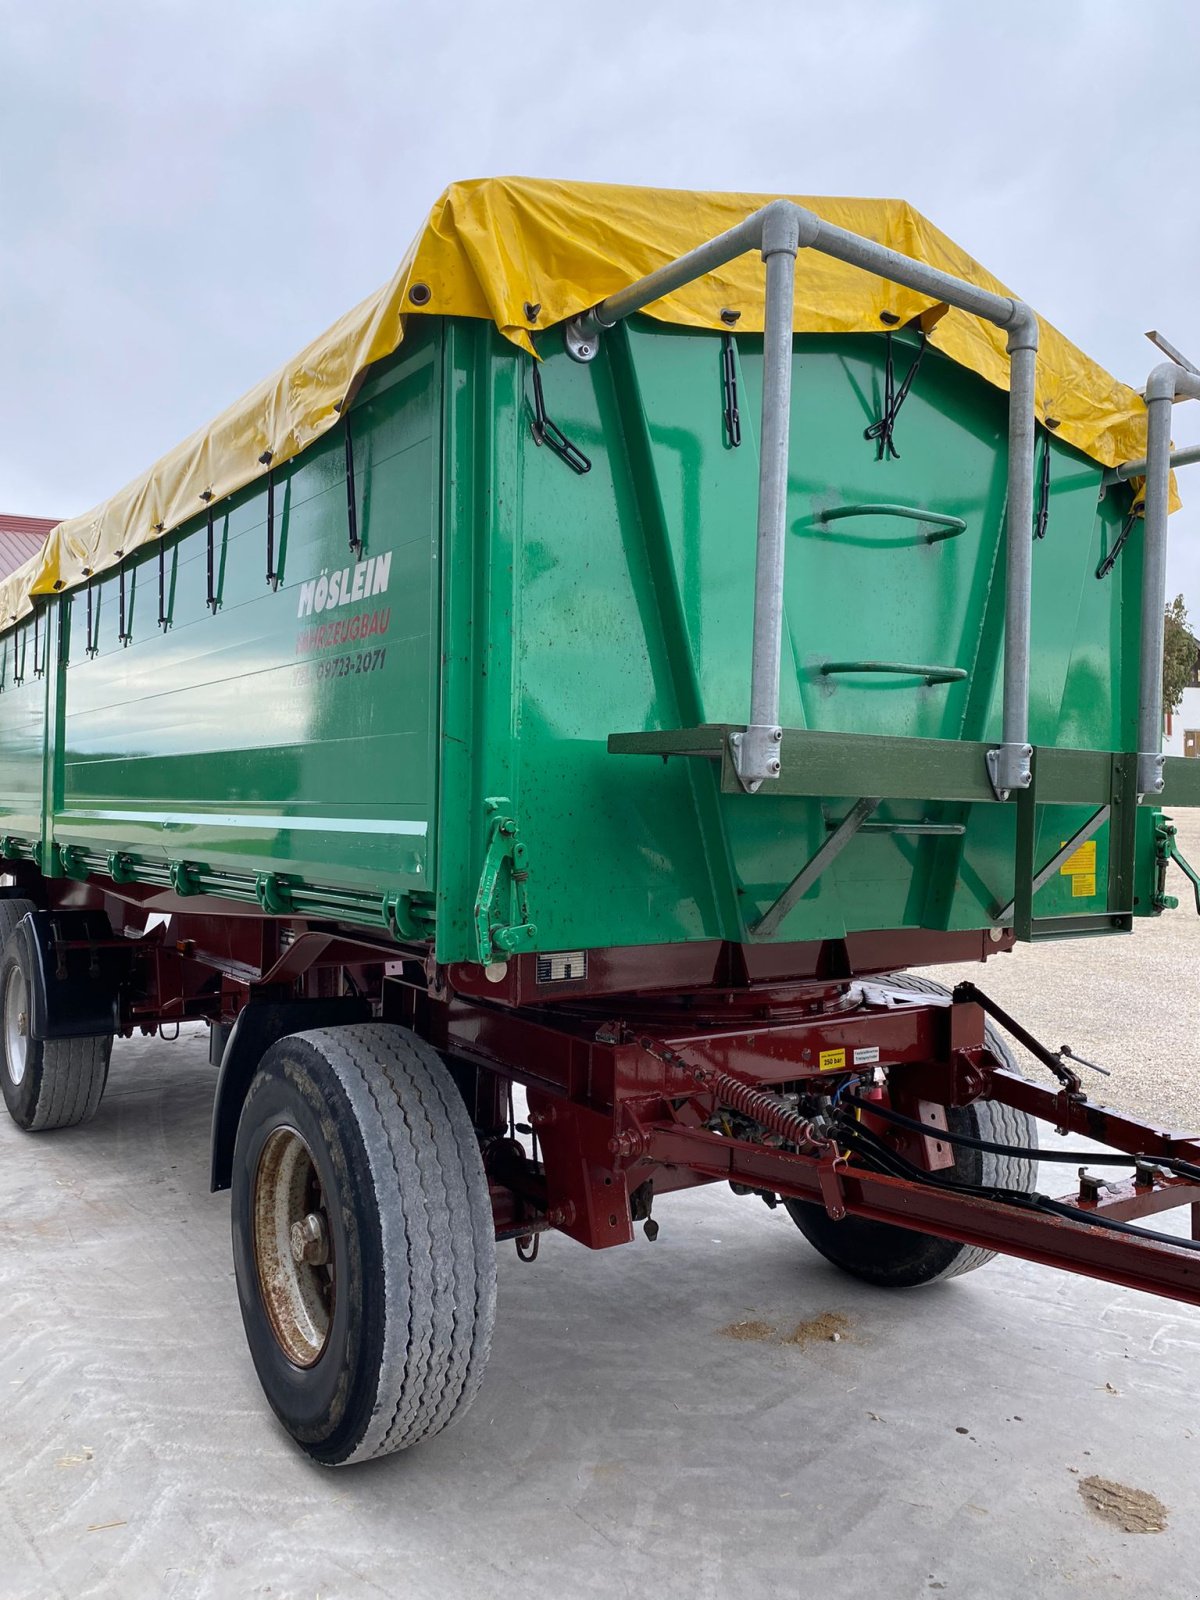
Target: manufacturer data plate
{"x": 562, "y": 967}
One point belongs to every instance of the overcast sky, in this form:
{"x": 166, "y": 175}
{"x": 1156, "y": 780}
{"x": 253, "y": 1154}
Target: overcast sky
{"x": 190, "y": 192}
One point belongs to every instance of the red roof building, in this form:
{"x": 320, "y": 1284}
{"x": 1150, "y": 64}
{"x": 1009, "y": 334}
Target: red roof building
{"x": 20, "y": 538}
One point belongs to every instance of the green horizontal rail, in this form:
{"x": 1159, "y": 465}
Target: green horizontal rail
{"x": 1181, "y": 782}
{"x": 939, "y": 524}
{"x": 818, "y": 764}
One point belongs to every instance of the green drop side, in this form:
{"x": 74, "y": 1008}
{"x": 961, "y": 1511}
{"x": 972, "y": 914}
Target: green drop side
{"x": 373, "y": 761}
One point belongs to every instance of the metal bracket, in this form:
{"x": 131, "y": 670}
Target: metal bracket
{"x": 1150, "y": 764}
{"x": 183, "y": 877}
{"x": 829, "y": 1174}
{"x": 70, "y": 859}
{"x": 409, "y": 914}
{"x": 121, "y": 868}
{"x": 580, "y": 344}
{"x": 1009, "y": 767}
{"x": 755, "y": 752}
{"x": 496, "y": 938}
{"x": 273, "y": 891}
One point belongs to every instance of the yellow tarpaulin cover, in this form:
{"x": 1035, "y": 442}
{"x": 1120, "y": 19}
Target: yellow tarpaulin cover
{"x": 491, "y": 247}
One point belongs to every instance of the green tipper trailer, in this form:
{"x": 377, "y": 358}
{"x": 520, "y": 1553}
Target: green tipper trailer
{"x": 609, "y": 706}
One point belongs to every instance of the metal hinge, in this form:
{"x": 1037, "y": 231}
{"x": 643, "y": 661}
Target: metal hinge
{"x": 409, "y": 914}
{"x": 273, "y": 891}
{"x": 503, "y": 884}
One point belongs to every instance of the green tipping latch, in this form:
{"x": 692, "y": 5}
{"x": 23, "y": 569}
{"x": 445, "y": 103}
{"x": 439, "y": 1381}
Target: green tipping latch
{"x": 503, "y": 884}
{"x": 1168, "y": 850}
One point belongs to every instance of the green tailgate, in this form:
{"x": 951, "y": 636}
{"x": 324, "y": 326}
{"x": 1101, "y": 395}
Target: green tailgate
{"x": 621, "y": 600}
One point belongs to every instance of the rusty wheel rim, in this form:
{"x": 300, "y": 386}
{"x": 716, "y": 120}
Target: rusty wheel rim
{"x": 293, "y": 1248}
{"x": 16, "y": 1025}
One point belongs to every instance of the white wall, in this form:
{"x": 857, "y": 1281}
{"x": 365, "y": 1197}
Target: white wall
{"x": 1188, "y": 716}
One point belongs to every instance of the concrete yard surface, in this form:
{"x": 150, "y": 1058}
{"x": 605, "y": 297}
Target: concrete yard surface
{"x": 1130, "y": 1002}
{"x": 718, "y": 1414}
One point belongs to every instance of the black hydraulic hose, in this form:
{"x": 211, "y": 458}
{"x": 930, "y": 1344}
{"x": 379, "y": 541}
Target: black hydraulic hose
{"x": 1028, "y": 1152}
{"x": 889, "y": 1159}
{"x": 1060, "y": 1208}
{"x": 901, "y": 1167}
{"x": 1074, "y": 1158}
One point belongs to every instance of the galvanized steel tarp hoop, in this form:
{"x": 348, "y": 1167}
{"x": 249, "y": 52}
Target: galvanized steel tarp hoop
{"x": 495, "y": 248}
{"x": 779, "y": 230}
{"x": 1166, "y": 383}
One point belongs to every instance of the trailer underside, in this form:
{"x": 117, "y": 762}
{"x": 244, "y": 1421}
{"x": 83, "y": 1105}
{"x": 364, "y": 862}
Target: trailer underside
{"x": 792, "y": 1072}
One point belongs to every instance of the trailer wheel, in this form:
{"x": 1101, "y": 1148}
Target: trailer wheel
{"x": 898, "y": 1258}
{"x": 47, "y": 1083}
{"x": 363, "y": 1241}
{"x": 11, "y": 912}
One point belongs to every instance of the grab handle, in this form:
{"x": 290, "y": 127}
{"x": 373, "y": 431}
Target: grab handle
{"x": 901, "y": 669}
{"x": 941, "y": 526}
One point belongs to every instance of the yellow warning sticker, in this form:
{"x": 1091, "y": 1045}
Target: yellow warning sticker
{"x": 1081, "y": 862}
{"x": 831, "y": 1060}
{"x": 1082, "y": 885}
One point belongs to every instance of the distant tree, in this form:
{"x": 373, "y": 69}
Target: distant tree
{"x": 1179, "y": 655}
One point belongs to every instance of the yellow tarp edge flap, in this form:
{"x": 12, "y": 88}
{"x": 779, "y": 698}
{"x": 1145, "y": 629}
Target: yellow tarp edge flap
{"x": 492, "y": 246}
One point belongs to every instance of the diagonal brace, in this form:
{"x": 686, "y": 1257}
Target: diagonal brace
{"x": 812, "y": 869}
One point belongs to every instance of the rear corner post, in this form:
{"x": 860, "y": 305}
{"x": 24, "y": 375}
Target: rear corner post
{"x": 1009, "y": 763}
{"x": 785, "y": 230}
{"x": 1166, "y": 383}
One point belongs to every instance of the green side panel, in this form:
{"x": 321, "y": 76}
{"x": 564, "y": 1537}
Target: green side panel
{"x": 290, "y": 730}
{"x": 376, "y": 728}
{"x": 621, "y": 600}
{"x": 23, "y": 683}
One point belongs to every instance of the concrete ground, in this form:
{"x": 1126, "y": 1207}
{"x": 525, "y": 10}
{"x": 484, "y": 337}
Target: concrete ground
{"x": 1130, "y": 1002}
{"x": 672, "y": 1419}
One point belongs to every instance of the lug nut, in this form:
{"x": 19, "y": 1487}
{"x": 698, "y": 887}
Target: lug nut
{"x": 310, "y": 1244}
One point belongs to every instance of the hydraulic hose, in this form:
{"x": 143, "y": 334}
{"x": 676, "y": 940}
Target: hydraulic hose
{"x": 860, "y": 1139}
{"x": 1074, "y": 1158}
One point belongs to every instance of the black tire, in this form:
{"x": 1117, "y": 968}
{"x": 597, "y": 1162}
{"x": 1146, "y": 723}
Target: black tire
{"x": 11, "y": 912}
{"x": 899, "y": 1258}
{"x": 51, "y": 1083}
{"x": 385, "y": 1343}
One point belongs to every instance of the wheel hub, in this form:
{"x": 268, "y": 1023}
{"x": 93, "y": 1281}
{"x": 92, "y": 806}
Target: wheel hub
{"x": 16, "y": 1025}
{"x": 293, "y": 1250}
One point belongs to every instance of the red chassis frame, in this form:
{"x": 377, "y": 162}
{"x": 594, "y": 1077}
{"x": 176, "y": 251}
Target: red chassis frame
{"x": 626, "y": 1069}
